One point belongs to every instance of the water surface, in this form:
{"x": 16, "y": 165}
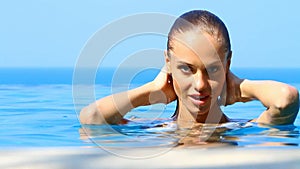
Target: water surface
{"x": 37, "y": 110}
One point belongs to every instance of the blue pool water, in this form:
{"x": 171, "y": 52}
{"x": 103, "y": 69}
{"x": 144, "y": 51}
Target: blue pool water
{"x": 37, "y": 110}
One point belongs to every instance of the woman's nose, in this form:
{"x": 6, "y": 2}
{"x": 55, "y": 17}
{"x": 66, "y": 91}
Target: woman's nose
{"x": 200, "y": 81}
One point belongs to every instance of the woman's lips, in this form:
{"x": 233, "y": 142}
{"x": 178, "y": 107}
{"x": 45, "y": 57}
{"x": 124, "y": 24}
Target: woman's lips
{"x": 199, "y": 100}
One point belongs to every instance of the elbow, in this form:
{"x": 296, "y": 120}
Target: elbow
{"x": 288, "y": 103}
{"x": 285, "y": 107}
{"x": 91, "y": 115}
{"x": 88, "y": 114}
{"x": 289, "y": 96}
{"x": 83, "y": 117}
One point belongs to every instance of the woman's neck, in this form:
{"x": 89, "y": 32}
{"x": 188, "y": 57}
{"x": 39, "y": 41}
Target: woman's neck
{"x": 185, "y": 118}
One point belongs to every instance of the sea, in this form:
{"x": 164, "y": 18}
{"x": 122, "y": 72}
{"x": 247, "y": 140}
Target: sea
{"x": 39, "y": 108}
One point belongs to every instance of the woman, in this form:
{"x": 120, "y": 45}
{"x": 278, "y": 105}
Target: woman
{"x": 197, "y": 74}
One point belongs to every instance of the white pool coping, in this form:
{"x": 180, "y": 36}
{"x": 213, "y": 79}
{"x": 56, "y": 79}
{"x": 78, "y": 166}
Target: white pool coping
{"x": 92, "y": 158}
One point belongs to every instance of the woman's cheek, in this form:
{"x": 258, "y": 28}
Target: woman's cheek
{"x": 181, "y": 85}
{"x": 176, "y": 87}
{"x": 216, "y": 88}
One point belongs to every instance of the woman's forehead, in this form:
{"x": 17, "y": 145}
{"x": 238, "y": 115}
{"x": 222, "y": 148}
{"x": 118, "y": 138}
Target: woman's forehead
{"x": 196, "y": 61}
{"x": 191, "y": 46}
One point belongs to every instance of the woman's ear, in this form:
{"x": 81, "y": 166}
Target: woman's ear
{"x": 167, "y": 60}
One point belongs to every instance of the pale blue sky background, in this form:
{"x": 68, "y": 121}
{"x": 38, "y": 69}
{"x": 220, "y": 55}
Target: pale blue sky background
{"x": 51, "y": 33}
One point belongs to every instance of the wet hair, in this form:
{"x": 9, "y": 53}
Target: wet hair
{"x": 203, "y": 21}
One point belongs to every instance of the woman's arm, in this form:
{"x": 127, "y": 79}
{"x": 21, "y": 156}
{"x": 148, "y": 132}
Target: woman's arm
{"x": 280, "y": 99}
{"x": 111, "y": 109}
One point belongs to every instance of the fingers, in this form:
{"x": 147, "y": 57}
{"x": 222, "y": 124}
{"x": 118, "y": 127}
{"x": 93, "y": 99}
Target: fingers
{"x": 164, "y": 69}
{"x": 229, "y": 96}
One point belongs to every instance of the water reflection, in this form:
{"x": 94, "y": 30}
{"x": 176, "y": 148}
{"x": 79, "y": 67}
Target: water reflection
{"x": 130, "y": 135}
{"x": 265, "y": 135}
{"x": 168, "y": 134}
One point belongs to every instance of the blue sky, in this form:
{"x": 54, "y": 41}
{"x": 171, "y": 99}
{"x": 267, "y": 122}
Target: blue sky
{"x": 52, "y": 33}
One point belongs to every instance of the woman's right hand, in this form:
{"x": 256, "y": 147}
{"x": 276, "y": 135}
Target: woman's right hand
{"x": 163, "y": 91}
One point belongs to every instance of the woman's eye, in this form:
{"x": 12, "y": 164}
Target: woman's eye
{"x": 212, "y": 69}
{"x": 185, "y": 68}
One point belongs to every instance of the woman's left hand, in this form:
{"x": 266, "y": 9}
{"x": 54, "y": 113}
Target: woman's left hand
{"x": 233, "y": 90}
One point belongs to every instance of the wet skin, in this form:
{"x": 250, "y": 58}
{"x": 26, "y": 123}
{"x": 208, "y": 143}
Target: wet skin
{"x": 198, "y": 66}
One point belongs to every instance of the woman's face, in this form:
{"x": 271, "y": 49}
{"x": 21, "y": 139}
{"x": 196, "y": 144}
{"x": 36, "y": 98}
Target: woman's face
{"x": 198, "y": 66}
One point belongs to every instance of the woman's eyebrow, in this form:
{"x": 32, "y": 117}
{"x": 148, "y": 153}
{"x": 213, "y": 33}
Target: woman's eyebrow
{"x": 218, "y": 62}
{"x": 185, "y": 63}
